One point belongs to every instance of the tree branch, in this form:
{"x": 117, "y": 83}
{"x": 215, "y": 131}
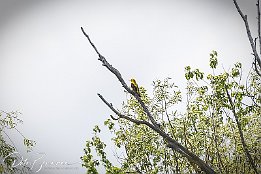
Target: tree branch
{"x": 258, "y": 25}
{"x": 138, "y": 122}
{"x": 171, "y": 142}
{"x": 240, "y": 131}
{"x": 255, "y": 68}
{"x": 118, "y": 75}
{"x": 252, "y": 43}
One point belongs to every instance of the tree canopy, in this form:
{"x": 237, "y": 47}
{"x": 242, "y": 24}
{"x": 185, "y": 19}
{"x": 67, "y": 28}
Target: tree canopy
{"x": 217, "y": 105}
{"x": 217, "y": 132}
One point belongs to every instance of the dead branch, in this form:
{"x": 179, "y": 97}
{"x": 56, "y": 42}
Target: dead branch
{"x": 251, "y": 40}
{"x": 171, "y": 142}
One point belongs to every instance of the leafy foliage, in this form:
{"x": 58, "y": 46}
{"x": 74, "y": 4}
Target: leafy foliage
{"x": 9, "y": 120}
{"x": 208, "y": 127}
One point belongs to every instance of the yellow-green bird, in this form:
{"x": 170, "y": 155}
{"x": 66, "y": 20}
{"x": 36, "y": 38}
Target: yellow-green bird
{"x": 135, "y": 86}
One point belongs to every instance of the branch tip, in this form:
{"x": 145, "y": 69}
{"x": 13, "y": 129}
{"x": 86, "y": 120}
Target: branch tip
{"x": 94, "y": 47}
{"x": 114, "y": 118}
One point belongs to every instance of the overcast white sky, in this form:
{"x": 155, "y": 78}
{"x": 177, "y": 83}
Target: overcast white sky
{"x": 50, "y": 73}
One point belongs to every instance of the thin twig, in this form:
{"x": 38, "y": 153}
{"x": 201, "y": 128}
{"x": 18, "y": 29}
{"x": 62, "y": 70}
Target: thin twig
{"x": 172, "y": 127}
{"x": 10, "y": 140}
{"x": 13, "y": 145}
{"x": 258, "y": 25}
{"x": 240, "y": 131}
{"x": 256, "y": 69}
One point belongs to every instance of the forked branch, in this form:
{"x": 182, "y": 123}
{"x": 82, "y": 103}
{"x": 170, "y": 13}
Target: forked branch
{"x": 138, "y": 122}
{"x": 173, "y": 144}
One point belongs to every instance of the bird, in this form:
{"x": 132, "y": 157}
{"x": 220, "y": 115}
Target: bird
{"x": 135, "y": 86}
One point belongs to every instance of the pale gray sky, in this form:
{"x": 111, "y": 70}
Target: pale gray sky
{"x": 50, "y": 73}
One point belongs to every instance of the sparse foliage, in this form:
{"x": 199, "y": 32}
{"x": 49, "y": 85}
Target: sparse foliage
{"x": 9, "y": 120}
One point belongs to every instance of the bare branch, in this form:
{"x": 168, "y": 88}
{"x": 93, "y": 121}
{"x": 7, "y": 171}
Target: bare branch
{"x": 154, "y": 126}
{"x": 118, "y": 75}
{"x": 91, "y": 42}
{"x": 256, "y": 69}
{"x": 123, "y": 116}
{"x": 255, "y": 41}
{"x": 240, "y": 131}
{"x": 244, "y": 17}
{"x": 258, "y": 25}
{"x": 114, "y": 118}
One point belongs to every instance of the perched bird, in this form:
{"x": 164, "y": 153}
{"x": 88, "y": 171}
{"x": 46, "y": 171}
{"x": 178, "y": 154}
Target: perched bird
{"x": 135, "y": 86}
